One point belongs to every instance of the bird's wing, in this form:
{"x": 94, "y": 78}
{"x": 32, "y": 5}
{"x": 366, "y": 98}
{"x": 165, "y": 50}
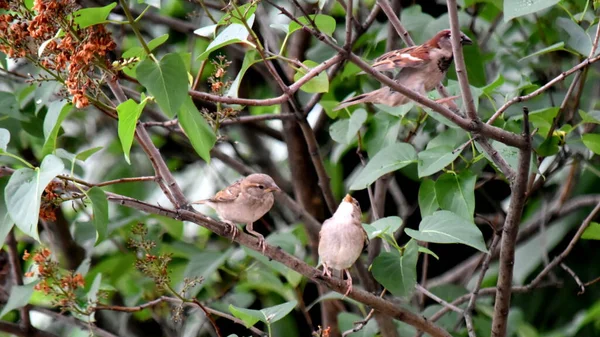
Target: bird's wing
{"x": 229, "y": 193}
{"x": 366, "y": 237}
{"x": 411, "y": 57}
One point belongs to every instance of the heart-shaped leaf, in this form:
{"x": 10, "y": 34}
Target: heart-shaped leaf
{"x": 447, "y": 227}
{"x": 389, "y": 159}
{"x": 166, "y": 81}
{"x": 24, "y": 190}
{"x": 397, "y": 273}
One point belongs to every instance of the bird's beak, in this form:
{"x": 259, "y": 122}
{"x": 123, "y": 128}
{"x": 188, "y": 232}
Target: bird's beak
{"x": 348, "y": 198}
{"x": 273, "y": 189}
{"x": 464, "y": 40}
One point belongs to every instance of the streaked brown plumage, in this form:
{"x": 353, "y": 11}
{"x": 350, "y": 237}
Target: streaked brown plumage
{"x": 244, "y": 201}
{"x": 423, "y": 67}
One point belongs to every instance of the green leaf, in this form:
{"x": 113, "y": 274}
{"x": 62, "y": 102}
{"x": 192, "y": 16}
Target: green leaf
{"x": 427, "y": 200}
{"x": 324, "y": 23}
{"x": 24, "y": 190}
{"x": 426, "y": 250}
{"x": 234, "y": 33}
{"x": 319, "y": 83}
{"x": 578, "y": 38}
{"x": 201, "y": 135}
{"x": 166, "y": 81}
{"x": 84, "y": 155}
{"x": 347, "y": 321}
{"x": 592, "y": 142}
{"x": 396, "y": 111}
{"x": 592, "y": 232}
{"x": 205, "y": 264}
{"x": 397, "y": 273}
{"x": 92, "y": 294}
{"x": 549, "y": 49}
{"x": 433, "y": 160}
{"x": 387, "y": 225}
{"x": 251, "y": 57}
{"x": 100, "y": 208}
{"x": 447, "y": 227}
{"x": 389, "y": 159}
{"x": 57, "y": 112}
{"x": 267, "y": 315}
{"x": 153, "y": 3}
{"x": 456, "y": 193}
{"x": 92, "y": 16}
{"x": 516, "y": 8}
{"x": 19, "y": 297}
{"x": 383, "y": 130}
{"x": 6, "y": 223}
{"x": 129, "y": 112}
{"x": 590, "y": 117}
{"x": 358, "y": 118}
{"x": 344, "y": 131}
{"x": 4, "y": 139}
{"x": 10, "y": 106}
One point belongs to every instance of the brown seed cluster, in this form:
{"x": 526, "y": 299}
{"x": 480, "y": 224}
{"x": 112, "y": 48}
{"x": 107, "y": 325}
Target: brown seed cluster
{"x": 74, "y": 55}
{"x": 60, "y": 285}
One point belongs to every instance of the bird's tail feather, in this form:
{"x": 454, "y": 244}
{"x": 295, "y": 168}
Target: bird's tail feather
{"x": 351, "y": 101}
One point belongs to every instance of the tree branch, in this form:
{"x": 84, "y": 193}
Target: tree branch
{"x": 510, "y": 231}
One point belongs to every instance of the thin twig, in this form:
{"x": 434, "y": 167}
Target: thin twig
{"x": 562, "y": 76}
{"x": 439, "y": 300}
{"x": 475, "y": 291}
{"x": 360, "y": 325}
{"x": 557, "y": 260}
{"x": 575, "y": 277}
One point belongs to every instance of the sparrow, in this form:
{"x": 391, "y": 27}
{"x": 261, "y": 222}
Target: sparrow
{"x": 342, "y": 239}
{"x": 422, "y": 68}
{"x": 244, "y": 201}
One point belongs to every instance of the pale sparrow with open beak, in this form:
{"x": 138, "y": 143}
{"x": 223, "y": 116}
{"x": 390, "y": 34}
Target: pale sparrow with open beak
{"x": 423, "y": 67}
{"x": 245, "y": 201}
{"x": 342, "y": 239}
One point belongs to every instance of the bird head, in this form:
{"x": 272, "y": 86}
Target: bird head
{"x": 442, "y": 40}
{"x": 259, "y": 184}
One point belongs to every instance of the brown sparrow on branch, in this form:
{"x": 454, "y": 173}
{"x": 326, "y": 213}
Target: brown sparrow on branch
{"x": 245, "y": 201}
{"x": 342, "y": 239}
{"x": 423, "y": 67}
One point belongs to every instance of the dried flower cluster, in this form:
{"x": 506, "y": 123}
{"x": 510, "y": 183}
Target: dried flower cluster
{"x": 50, "y": 202}
{"x": 59, "y": 284}
{"x": 322, "y": 332}
{"x": 49, "y": 37}
{"x": 219, "y": 86}
{"x": 153, "y": 266}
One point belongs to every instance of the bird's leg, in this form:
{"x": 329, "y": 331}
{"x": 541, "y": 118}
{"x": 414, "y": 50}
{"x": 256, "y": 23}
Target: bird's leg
{"x": 260, "y": 237}
{"x": 232, "y": 228}
{"x": 348, "y": 282}
{"x": 326, "y": 271}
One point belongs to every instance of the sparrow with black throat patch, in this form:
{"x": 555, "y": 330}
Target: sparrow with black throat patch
{"x": 342, "y": 239}
{"x": 244, "y": 201}
{"x": 422, "y": 68}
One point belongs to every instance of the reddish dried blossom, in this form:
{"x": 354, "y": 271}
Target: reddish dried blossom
{"x": 79, "y": 53}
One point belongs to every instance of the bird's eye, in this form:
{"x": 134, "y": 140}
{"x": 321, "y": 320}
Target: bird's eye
{"x": 262, "y": 187}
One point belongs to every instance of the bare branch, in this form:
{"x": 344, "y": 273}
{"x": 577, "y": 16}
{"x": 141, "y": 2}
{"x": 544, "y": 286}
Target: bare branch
{"x": 510, "y": 231}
